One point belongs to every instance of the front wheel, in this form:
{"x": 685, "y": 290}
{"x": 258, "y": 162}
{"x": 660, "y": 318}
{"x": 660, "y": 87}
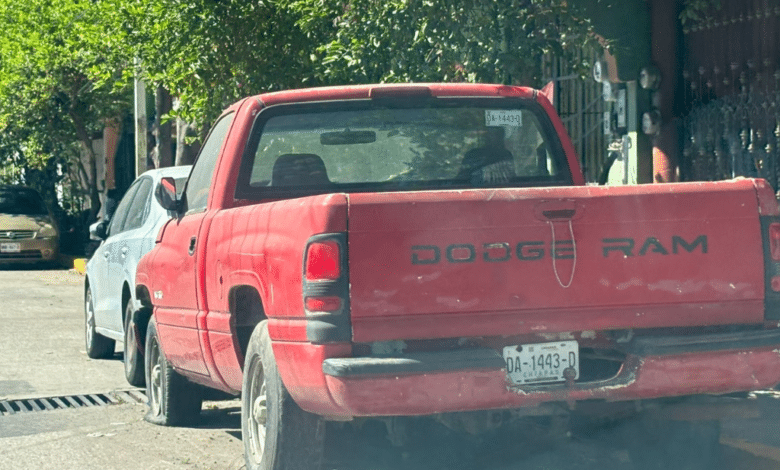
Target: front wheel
{"x": 277, "y": 434}
{"x": 173, "y": 400}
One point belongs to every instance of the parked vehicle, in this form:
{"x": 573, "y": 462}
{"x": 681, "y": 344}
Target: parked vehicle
{"x": 432, "y": 249}
{"x": 109, "y": 296}
{"x": 28, "y": 231}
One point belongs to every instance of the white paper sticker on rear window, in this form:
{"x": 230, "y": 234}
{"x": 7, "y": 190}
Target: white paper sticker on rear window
{"x": 503, "y": 117}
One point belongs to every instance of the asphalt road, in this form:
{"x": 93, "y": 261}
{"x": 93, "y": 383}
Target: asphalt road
{"x": 42, "y": 356}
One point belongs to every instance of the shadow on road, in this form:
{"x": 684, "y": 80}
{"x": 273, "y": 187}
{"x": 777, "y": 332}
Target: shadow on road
{"x": 536, "y": 445}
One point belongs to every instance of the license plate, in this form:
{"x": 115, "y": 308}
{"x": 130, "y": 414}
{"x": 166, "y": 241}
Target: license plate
{"x": 10, "y": 247}
{"x": 542, "y": 362}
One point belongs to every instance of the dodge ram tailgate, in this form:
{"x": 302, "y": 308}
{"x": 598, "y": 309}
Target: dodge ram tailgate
{"x": 530, "y": 260}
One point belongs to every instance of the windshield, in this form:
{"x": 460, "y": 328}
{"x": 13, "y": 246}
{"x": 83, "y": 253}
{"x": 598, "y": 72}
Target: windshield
{"x": 455, "y": 144}
{"x": 21, "y": 202}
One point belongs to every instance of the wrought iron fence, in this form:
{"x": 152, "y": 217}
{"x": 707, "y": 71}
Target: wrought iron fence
{"x": 731, "y": 80}
{"x": 733, "y": 136}
{"x": 581, "y": 106}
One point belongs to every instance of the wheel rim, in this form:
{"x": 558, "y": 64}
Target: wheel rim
{"x": 258, "y": 413}
{"x": 156, "y": 381}
{"x": 131, "y": 350}
{"x": 90, "y": 321}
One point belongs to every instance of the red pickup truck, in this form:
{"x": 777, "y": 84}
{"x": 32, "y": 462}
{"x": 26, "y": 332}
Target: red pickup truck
{"x": 431, "y": 249}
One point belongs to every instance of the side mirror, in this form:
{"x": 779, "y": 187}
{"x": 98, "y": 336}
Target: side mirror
{"x": 99, "y": 230}
{"x": 165, "y": 193}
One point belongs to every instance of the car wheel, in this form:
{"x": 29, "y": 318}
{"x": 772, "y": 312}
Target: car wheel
{"x": 134, "y": 360}
{"x": 98, "y": 346}
{"x": 277, "y": 434}
{"x": 173, "y": 400}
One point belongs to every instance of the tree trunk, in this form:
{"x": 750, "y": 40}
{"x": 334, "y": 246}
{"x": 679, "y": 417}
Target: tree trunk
{"x": 185, "y": 153}
{"x": 92, "y": 186}
{"x": 162, "y": 130}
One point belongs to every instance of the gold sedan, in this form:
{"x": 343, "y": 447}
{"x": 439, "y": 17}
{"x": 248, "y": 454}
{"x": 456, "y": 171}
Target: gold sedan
{"x": 28, "y": 232}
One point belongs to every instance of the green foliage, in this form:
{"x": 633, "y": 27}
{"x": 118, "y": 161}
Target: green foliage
{"x": 425, "y": 40}
{"x": 75, "y": 58}
{"x": 60, "y": 79}
{"x": 57, "y": 64}
{"x": 210, "y": 53}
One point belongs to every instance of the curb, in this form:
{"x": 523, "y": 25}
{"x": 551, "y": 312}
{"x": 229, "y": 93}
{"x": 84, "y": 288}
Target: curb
{"x": 73, "y": 262}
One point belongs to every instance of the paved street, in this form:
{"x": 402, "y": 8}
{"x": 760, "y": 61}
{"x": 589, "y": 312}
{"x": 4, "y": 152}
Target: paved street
{"x": 41, "y": 326}
{"x": 42, "y": 356}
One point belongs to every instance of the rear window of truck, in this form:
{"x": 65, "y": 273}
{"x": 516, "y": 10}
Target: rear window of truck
{"x": 337, "y": 147}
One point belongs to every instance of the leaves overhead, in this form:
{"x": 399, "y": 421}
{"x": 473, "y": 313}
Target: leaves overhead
{"x": 66, "y": 67}
{"x": 60, "y": 79}
{"x": 467, "y": 40}
{"x": 211, "y": 53}
{"x": 56, "y": 67}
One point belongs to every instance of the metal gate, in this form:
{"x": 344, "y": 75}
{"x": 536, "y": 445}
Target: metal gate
{"x": 731, "y": 79}
{"x": 581, "y": 106}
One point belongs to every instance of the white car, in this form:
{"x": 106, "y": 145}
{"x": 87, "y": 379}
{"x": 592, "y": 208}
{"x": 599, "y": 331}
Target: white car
{"x": 109, "y": 285}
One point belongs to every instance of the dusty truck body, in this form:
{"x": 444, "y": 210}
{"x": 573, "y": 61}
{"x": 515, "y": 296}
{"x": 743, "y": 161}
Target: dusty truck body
{"x": 432, "y": 249}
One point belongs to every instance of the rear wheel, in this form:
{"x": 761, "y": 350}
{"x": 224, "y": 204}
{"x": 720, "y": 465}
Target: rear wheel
{"x": 133, "y": 357}
{"x": 98, "y": 346}
{"x": 277, "y": 434}
{"x": 173, "y": 400}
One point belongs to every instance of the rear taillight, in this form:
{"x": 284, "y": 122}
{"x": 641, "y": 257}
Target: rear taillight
{"x": 323, "y": 261}
{"x": 770, "y": 229}
{"x": 326, "y": 288}
{"x": 774, "y": 241}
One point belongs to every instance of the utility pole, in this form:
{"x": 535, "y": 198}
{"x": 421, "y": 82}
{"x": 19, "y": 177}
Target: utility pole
{"x": 140, "y": 125}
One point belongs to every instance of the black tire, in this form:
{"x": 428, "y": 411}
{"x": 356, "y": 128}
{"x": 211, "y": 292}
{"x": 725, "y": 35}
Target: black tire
{"x": 173, "y": 400}
{"x": 98, "y": 346}
{"x": 277, "y": 434}
{"x": 133, "y": 356}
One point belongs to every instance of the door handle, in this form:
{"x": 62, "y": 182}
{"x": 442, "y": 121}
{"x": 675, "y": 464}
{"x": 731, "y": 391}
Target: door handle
{"x": 124, "y": 252}
{"x": 105, "y": 254}
{"x": 193, "y": 240}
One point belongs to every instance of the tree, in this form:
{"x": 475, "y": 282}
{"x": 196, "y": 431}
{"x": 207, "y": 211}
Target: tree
{"x": 210, "y": 53}
{"x": 499, "y": 41}
{"x": 65, "y": 66}
{"x": 60, "y": 81}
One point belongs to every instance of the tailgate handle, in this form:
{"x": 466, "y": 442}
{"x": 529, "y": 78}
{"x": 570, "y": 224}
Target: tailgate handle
{"x": 559, "y": 210}
{"x": 558, "y": 214}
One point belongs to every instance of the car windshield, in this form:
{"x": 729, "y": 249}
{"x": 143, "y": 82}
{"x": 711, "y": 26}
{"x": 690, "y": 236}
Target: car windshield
{"x": 21, "y": 202}
{"x": 456, "y": 143}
